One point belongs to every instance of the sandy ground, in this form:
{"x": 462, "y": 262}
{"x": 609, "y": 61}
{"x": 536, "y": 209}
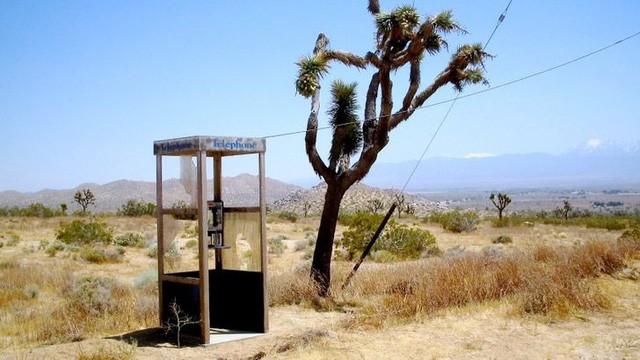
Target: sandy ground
{"x": 485, "y": 331}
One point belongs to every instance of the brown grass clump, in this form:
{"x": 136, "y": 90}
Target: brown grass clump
{"x": 553, "y": 282}
{"x": 42, "y": 306}
{"x": 291, "y": 287}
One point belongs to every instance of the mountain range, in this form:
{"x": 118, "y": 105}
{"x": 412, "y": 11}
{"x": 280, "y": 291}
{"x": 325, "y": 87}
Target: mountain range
{"x": 582, "y": 167}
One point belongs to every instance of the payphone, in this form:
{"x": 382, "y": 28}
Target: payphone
{"x": 215, "y": 224}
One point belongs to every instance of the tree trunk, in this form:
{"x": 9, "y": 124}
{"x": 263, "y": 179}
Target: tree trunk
{"x": 321, "y": 264}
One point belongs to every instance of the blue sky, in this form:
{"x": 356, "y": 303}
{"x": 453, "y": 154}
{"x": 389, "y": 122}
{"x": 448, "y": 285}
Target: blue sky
{"x": 87, "y": 86}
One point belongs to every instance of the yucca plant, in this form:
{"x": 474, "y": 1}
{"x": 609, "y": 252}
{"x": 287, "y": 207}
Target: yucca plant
{"x": 403, "y": 39}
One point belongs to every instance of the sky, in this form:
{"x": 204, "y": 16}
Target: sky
{"x": 87, "y": 86}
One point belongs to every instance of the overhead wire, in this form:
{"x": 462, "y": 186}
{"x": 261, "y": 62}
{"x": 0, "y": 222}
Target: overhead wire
{"x": 453, "y": 103}
{"x": 496, "y": 87}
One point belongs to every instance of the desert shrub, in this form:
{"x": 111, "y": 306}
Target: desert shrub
{"x": 54, "y": 248}
{"x": 102, "y": 255}
{"x": 130, "y": 239}
{"x": 362, "y": 225}
{"x": 191, "y": 231}
{"x": 384, "y": 256}
{"x": 288, "y": 216}
{"x": 147, "y": 282}
{"x": 502, "y": 239}
{"x": 135, "y": 208}
{"x": 94, "y": 295}
{"x": 401, "y": 241}
{"x": 500, "y": 223}
{"x": 13, "y": 240}
{"x": 406, "y": 242}
{"x": 152, "y": 250}
{"x": 629, "y": 242}
{"x": 33, "y": 210}
{"x": 182, "y": 211}
{"x": 276, "y": 246}
{"x": 193, "y": 243}
{"x": 7, "y": 264}
{"x": 605, "y": 222}
{"x": 80, "y": 232}
{"x": 455, "y": 221}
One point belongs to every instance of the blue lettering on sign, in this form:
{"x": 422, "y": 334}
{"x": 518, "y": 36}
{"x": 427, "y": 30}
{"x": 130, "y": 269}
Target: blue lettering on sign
{"x": 234, "y": 145}
{"x": 176, "y": 146}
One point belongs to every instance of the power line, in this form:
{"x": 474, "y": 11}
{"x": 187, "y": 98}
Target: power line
{"x": 526, "y": 77}
{"x": 453, "y": 103}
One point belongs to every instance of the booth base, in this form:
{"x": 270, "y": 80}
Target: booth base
{"x": 219, "y": 336}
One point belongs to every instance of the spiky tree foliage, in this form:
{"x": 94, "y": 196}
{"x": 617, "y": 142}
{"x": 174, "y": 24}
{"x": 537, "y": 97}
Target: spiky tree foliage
{"x": 503, "y": 201}
{"x": 402, "y": 39}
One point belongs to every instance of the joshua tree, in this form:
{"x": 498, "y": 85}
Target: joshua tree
{"x": 400, "y": 202}
{"x": 375, "y": 205}
{"x": 503, "y": 201}
{"x": 306, "y": 207}
{"x": 84, "y": 198}
{"x": 402, "y": 40}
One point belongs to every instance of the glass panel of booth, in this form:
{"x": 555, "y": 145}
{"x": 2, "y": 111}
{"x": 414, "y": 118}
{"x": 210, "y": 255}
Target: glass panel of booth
{"x": 242, "y": 234}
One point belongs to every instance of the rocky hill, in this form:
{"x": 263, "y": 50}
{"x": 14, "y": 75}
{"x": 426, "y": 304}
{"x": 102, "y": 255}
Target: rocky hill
{"x": 359, "y": 197}
{"x": 240, "y": 190}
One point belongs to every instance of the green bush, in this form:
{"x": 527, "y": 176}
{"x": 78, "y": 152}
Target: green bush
{"x": 33, "y": 210}
{"x": 455, "y": 221}
{"x": 130, "y": 239}
{"x": 14, "y": 239}
{"x": 102, "y": 255}
{"x": 288, "y": 216}
{"x": 399, "y": 241}
{"x": 135, "y": 208}
{"x": 80, "y": 232}
{"x": 53, "y": 249}
{"x": 276, "y": 246}
{"x": 605, "y": 222}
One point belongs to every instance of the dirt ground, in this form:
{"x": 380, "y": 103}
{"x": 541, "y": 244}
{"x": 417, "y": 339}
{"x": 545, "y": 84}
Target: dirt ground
{"x": 489, "y": 330}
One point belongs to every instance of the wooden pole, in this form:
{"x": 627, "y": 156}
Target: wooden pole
{"x": 370, "y": 245}
{"x": 203, "y": 259}
{"x": 160, "y": 235}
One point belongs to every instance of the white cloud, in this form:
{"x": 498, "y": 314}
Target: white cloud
{"x": 478, "y": 155}
{"x": 594, "y": 143}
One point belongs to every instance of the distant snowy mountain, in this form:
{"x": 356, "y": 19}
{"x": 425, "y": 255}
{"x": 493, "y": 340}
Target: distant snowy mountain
{"x": 594, "y": 164}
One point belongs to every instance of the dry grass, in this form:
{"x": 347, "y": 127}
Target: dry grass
{"x": 58, "y": 299}
{"x": 551, "y": 282}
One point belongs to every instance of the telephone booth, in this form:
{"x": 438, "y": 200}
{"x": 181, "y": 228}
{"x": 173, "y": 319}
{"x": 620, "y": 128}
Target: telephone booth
{"x": 220, "y": 284}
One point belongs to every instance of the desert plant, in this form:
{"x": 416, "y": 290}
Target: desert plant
{"x": 288, "y": 216}
{"x": 136, "y": 208}
{"x": 276, "y": 246}
{"x": 130, "y": 239}
{"x": 402, "y": 41}
{"x": 178, "y": 319}
{"x": 80, "y": 232}
{"x": 503, "y": 201}
{"x": 457, "y": 221}
{"x": 84, "y": 198}
{"x": 401, "y": 241}
{"x": 102, "y": 255}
